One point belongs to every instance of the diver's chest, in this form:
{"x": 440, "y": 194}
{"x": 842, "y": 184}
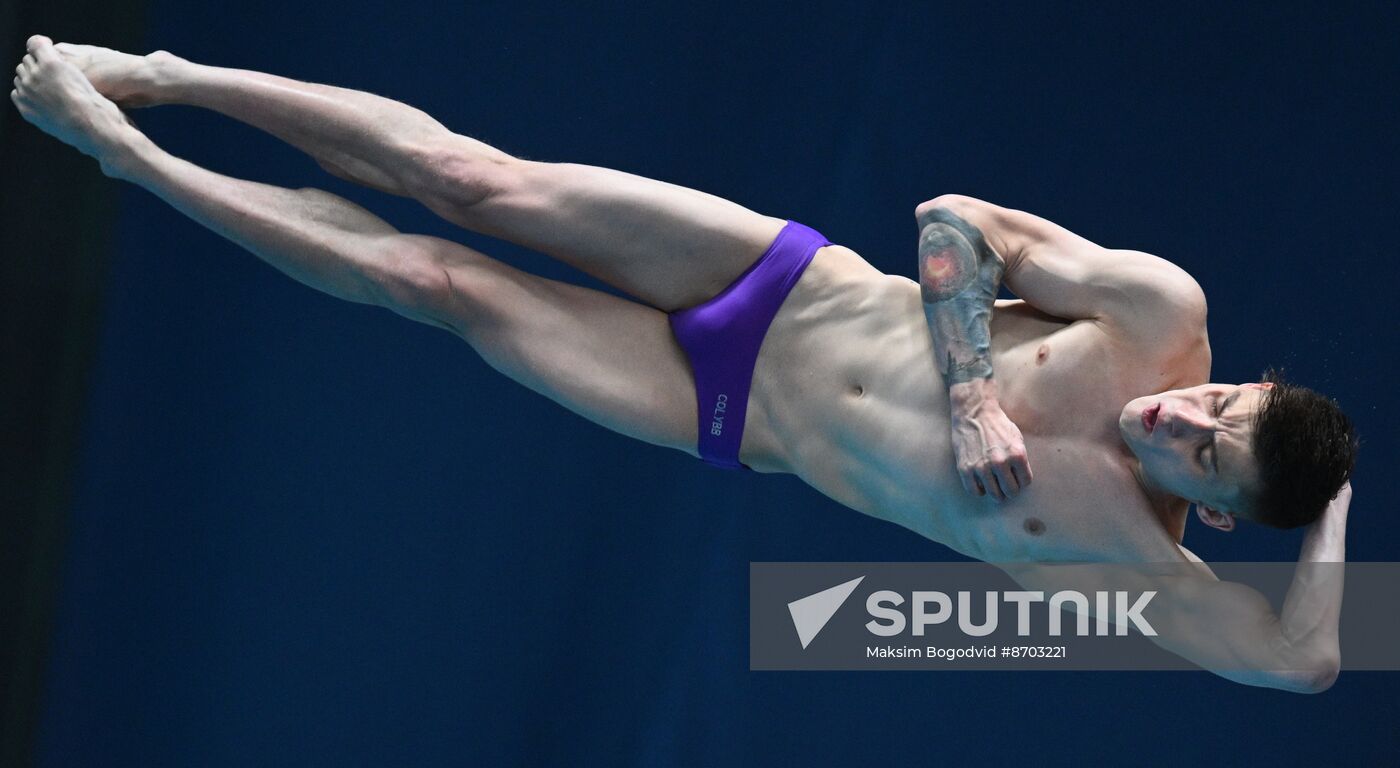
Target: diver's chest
{"x": 1065, "y": 384}
{"x": 1084, "y": 505}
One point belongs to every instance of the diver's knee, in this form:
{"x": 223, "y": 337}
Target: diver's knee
{"x": 460, "y": 173}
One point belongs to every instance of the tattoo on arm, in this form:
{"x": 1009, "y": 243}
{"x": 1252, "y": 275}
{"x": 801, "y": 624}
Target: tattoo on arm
{"x": 959, "y": 275}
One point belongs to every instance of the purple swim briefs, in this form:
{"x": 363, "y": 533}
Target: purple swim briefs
{"x": 722, "y": 337}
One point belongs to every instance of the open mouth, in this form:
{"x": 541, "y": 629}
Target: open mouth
{"x": 1149, "y": 416}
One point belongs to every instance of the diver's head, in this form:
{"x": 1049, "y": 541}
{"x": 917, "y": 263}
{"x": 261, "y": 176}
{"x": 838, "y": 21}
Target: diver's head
{"x": 1270, "y": 451}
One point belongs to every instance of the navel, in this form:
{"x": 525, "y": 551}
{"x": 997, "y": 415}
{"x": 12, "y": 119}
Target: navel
{"x": 1034, "y": 527}
{"x": 857, "y": 390}
{"x": 1042, "y": 354}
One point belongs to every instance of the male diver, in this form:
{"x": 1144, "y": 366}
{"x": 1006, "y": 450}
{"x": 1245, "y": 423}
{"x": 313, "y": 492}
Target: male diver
{"x": 796, "y": 354}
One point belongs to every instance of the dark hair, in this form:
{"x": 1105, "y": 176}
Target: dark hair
{"x": 1305, "y": 448}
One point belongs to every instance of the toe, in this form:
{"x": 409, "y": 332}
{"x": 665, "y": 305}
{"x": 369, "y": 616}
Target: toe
{"x": 44, "y": 50}
{"x": 35, "y": 41}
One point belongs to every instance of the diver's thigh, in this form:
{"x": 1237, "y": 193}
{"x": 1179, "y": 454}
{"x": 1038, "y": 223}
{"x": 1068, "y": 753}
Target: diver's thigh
{"x": 668, "y": 245}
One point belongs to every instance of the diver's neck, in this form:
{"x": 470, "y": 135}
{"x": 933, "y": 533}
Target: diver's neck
{"x": 1169, "y": 508}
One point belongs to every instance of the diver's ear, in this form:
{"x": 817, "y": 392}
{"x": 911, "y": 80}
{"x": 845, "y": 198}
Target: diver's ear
{"x": 1223, "y": 521}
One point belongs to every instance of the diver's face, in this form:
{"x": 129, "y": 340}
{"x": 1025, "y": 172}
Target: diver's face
{"x": 1195, "y": 443}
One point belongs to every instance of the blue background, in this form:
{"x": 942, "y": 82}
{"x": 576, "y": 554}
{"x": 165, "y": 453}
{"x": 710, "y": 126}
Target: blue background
{"x": 311, "y": 533}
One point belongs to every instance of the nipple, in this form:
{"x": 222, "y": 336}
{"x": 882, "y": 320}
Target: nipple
{"x": 1034, "y": 527}
{"x": 1042, "y": 354}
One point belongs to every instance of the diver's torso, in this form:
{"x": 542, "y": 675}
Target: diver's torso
{"x": 845, "y": 395}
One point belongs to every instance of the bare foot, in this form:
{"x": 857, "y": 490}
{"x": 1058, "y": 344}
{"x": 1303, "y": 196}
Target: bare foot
{"x": 127, "y": 79}
{"x": 53, "y": 95}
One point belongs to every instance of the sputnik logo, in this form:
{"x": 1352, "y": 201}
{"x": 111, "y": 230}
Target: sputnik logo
{"x": 811, "y": 613}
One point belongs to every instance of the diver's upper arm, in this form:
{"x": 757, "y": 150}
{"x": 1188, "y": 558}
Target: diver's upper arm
{"x": 1225, "y": 627}
{"x": 1132, "y": 293}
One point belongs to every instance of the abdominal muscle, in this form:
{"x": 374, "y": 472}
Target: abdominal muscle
{"x": 845, "y": 395}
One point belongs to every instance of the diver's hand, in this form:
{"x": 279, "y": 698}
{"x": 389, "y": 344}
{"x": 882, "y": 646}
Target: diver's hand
{"x": 988, "y": 447}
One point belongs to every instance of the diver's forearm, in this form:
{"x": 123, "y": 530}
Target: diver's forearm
{"x": 1306, "y": 642}
{"x": 1313, "y": 607}
{"x": 1326, "y": 540}
{"x": 312, "y": 236}
{"x": 959, "y": 276}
